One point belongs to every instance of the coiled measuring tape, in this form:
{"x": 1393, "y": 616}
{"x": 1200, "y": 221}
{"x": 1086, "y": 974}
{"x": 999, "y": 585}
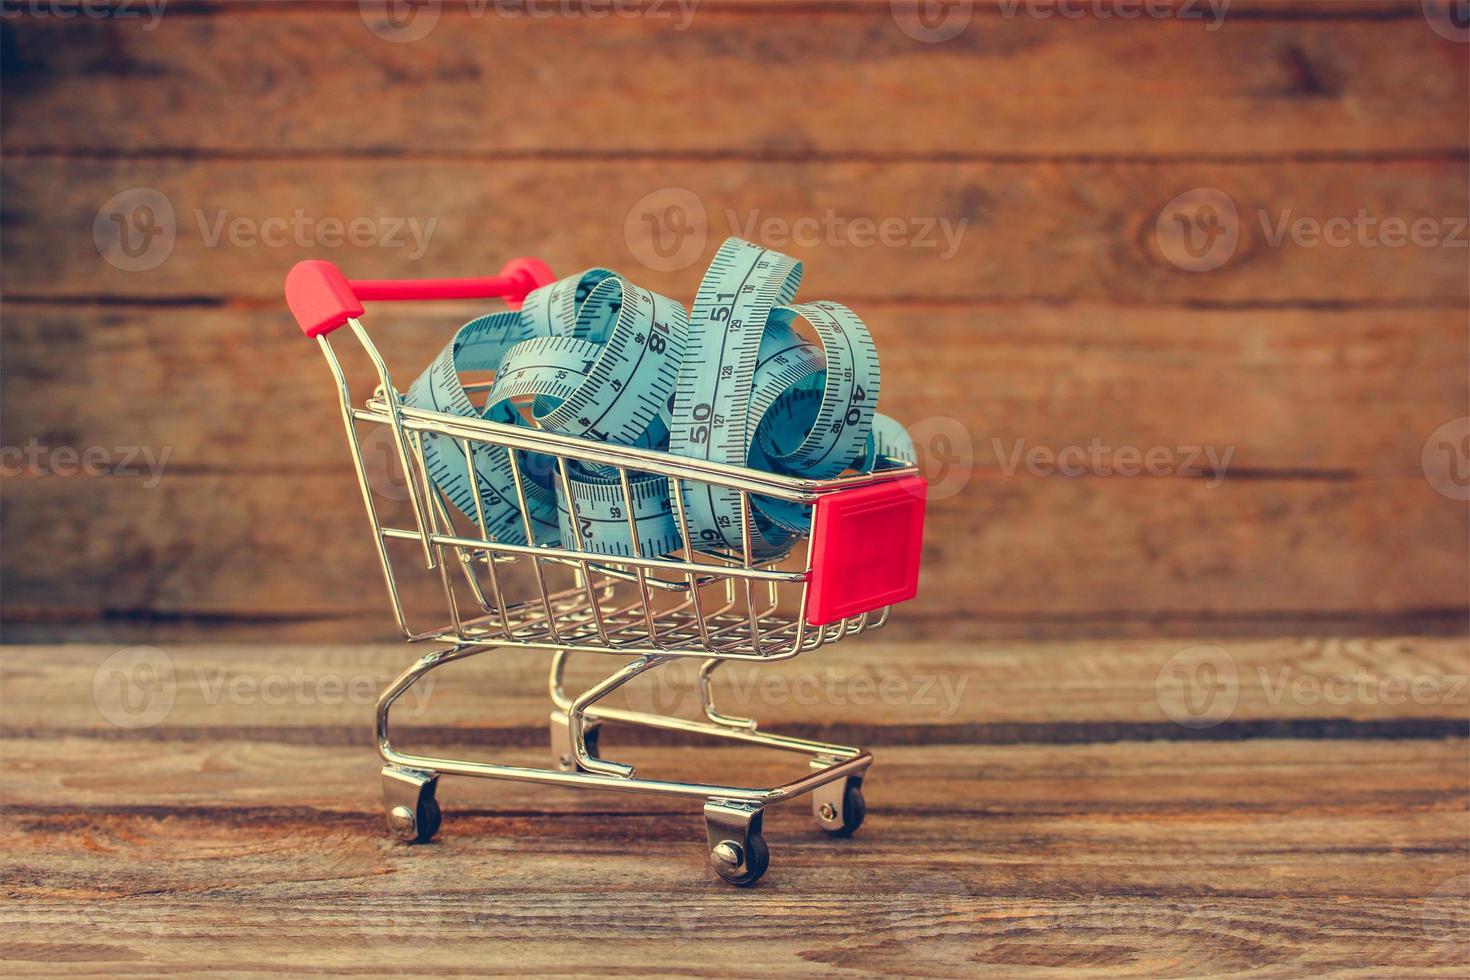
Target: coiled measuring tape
{"x": 600, "y": 358}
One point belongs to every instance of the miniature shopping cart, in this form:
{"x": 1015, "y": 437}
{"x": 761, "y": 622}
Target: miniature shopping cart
{"x": 715, "y": 605}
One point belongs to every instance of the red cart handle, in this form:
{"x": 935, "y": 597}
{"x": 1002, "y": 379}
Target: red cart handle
{"x": 322, "y": 299}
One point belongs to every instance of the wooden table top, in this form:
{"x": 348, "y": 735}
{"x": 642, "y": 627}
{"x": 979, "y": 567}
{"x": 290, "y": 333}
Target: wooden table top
{"x": 1032, "y": 807}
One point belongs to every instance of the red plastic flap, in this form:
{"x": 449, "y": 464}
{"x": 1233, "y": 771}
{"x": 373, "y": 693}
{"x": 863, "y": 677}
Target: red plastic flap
{"x": 320, "y": 297}
{"x": 866, "y": 547}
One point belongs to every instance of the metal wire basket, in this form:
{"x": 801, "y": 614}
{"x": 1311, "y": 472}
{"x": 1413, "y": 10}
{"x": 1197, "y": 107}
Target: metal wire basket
{"x": 715, "y": 604}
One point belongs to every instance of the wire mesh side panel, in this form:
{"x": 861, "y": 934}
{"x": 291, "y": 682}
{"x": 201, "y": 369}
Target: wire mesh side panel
{"x": 694, "y": 601}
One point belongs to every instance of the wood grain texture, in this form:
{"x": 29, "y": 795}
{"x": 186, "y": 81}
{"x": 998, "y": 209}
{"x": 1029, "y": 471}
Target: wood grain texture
{"x": 1364, "y": 79}
{"x": 125, "y": 850}
{"x": 1059, "y": 319}
{"x": 1034, "y": 807}
{"x": 1272, "y": 388}
{"x": 1054, "y": 231}
{"x": 1140, "y": 883}
{"x": 222, "y": 535}
{"x": 218, "y": 545}
{"x": 215, "y": 537}
{"x": 875, "y": 691}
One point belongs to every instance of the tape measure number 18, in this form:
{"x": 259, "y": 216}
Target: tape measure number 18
{"x": 733, "y": 382}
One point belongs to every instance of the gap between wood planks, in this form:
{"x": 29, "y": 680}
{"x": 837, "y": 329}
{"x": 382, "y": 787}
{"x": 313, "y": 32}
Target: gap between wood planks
{"x": 188, "y": 153}
{"x": 1257, "y": 10}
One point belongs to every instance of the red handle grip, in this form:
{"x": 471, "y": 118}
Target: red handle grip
{"x": 322, "y": 299}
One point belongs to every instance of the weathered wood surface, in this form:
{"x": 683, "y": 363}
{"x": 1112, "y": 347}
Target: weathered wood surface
{"x": 872, "y": 688}
{"x": 245, "y": 837}
{"x": 1270, "y": 79}
{"x": 213, "y": 537}
{"x": 1059, "y": 320}
{"x": 1008, "y": 549}
{"x": 1056, "y": 231}
{"x": 1272, "y": 388}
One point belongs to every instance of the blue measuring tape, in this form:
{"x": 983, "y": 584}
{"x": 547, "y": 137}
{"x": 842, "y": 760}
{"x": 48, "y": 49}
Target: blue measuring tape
{"x": 599, "y": 358}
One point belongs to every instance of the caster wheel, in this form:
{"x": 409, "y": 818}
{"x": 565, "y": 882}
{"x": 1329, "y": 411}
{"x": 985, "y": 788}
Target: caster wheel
{"x": 427, "y": 821}
{"x": 838, "y": 807}
{"x": 853, "y": 811}
{"x": 413, "y": 809}
{"x": 416, "y": 826}
{"x": 726, "y": 858}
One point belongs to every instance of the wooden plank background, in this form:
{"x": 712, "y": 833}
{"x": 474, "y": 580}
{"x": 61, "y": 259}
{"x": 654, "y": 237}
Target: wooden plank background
{"x": 1050, "y": 818}
{"x": 1058, "y": 320}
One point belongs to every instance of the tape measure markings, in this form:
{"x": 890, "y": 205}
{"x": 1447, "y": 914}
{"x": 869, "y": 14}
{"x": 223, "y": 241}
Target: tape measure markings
{"x": 849, "y": 394}
{"x": 479, "y": 345}
{"x": 743, "y": 284}
{"x": 599, "y": 357}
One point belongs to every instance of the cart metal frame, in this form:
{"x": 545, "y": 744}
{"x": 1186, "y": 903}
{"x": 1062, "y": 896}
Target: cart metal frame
{"x": 718, "y": 606}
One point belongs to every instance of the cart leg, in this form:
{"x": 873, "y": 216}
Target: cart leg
{"x": 563, "y": 755}
{"x": 838, "y": 806}
{"x": 408, "y": 798}
{"x": 576, "y": 727}
{"x": 736, "y": 848}
{"x": 707, "y": 699}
